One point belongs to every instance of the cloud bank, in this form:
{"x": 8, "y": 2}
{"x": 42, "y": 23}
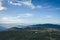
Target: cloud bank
{"x": 16, "y": 19}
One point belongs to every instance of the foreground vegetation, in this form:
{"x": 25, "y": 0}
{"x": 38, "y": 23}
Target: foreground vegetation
{"x": 31, "y": 34}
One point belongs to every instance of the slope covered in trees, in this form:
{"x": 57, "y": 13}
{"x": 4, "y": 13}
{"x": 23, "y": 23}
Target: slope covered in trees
{"x": 30, "y": 34}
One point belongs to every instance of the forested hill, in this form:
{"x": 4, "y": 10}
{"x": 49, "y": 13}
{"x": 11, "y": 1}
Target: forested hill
{"x": 30, "y": 34}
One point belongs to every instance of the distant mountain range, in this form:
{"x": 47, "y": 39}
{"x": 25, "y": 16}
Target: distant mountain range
{"x": 46, "y": 25}
{"x": 12, "y": 26}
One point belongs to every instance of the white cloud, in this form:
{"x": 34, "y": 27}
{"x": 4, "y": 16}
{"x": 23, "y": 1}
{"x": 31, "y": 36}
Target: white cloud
{"x": 19, "y": 4}
{"x": 16, "y": 19}
{"x": 27, "y": 3}
{"x": 38, "y": 6}
{"x": 10, "y": 20}
{"x": 25, "y": 15}
{"x": 48, "y": 16}
{"x": 2, "y": 7}
{"x": 28, "y": 15}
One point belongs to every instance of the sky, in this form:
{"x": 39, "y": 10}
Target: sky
{"x": 30, "y": 11}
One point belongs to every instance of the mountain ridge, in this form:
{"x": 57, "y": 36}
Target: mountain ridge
{"x": 31, "y": 26}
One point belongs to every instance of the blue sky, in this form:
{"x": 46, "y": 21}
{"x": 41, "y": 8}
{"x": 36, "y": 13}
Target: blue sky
{"x": 30, "y": 11}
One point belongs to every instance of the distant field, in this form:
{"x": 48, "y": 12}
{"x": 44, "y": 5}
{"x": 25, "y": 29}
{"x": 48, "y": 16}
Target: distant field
{"x": 31, "y": 34}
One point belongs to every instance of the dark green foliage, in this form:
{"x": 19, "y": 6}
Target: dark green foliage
{"x": 31, "y": 34}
